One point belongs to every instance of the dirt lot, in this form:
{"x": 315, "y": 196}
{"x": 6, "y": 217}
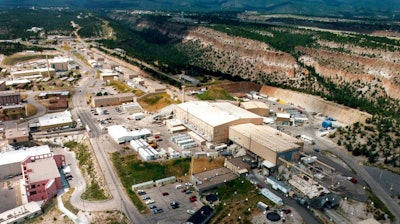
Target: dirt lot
{"x": 201, "y": 164}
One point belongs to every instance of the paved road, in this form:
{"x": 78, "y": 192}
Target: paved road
{"x": 120, "y": 199}
{"x": 373, "y": 184}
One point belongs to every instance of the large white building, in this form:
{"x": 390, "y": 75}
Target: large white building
{"x": 10, "y": 161}
{"x": 33, "y": 74}
{"x": 211, "y": 120}
{"x": 122, "y": 135}
{"x": 53, "y": 120}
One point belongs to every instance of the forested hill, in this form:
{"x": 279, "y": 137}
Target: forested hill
{"x": 389, "y": 9}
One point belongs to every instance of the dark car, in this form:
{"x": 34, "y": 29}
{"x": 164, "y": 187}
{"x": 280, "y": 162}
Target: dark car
{"x": 141, "y": 192}
{"x": 259, "y": 186}
{"x": 174, "y": 204}
{"x": 192, "y": 199}
{"x": 152, "y": 207}
{"x": 353, "y": 180}
{"x": 157, "y": 210}
{"x": 165, "y": 193}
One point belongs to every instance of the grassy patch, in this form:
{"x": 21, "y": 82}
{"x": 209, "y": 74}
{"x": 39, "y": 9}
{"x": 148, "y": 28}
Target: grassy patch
{"x": 154, "y": 102}
{"x": 66, "y": 47}
{"x": 238, "y": 196}
{"x": 16, "y": 58}
{"x": 214, "y": 94}
{"x": 132, "y": 171}
{"x": 30, "y": 110}
{"x": 138, "y": 92}
{"x": 379, "y": 205}
{"x": 119, "y": 86}
{"x": 94, "y": 192}
{"x": 80, "y": 57}
{"x": 67, "y": 203}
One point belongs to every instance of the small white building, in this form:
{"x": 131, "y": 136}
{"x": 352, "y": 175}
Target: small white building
{"x": 122, "y": 135}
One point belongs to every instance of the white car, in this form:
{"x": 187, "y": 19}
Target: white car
{"x": 190, "y": 212}
{"x": 148, "y": 202}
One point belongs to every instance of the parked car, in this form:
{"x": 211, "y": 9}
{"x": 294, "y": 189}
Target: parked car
{"x": 157, "y": 210}
{"x": 286, "y": 211}
{"x": 146, "y": 197}
{"x": 141, "y": 192}
{"x": 192, "y": 199}
{"x": 190, "y": 212}
{"x": 148, "y": 202}
{"x": 352, "y": 179}
{"x": 188, "y": 192}
{"x": 165, "y": 193}
{"x": 174, "y": 204}
{"x": 152, "y": 207}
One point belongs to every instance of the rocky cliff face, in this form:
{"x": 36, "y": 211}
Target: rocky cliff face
{"x": 239, "y": 56}
{"x": 370, "y": 72}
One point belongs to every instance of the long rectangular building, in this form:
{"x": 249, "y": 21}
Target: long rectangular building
{"x": 212, "y": 120}
{"x": 266, "y": 142}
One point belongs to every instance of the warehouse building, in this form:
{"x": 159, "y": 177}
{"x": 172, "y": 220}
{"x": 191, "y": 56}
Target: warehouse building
{"x": 212, "y": 120}
{"x": 112, "y": 100}
{"x": 256, "y": 107}
{"x": 33, "y": 73}
{"x": 266, "y": 143}
{"x": 17, "y": 134}
{"x": 55, "y": 120}
{"x": 122, "y": 135}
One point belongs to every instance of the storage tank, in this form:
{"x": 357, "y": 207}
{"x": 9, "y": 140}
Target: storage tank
{"x": 327, "y": 124}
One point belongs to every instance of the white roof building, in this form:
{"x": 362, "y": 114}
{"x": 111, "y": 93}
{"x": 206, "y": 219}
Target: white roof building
{"x": 55, "y": 119}
{"x": 21, "y": 214}
{"x": 217, "y": 113}
{"x": 10, "y": 161}
{"x": 122, "y": 135}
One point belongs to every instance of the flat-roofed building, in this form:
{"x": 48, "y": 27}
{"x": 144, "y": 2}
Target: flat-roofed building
{"x": 41, "y": 176}
{"x": 132, "y": 108}
{"x": 33, "y": 74}
{"x": 266, "y": 142}
{"x": 211, "y": 179}
{"x": 10, "y": 161}
{"x": 55, "y": 120}
{"x": 17, "y": 134}
{"x": 211, "y": 120}
{"x": 156, "y": 87}
{"x": 60, "y": 63}
{"x": 237, "y": 165}
{"x": 108, "y": 75}
{"x": 283, "y": 118}
{"x": 21, "y": 213}
{"x": 122, "y": 135}
{"x": 256, "y": 107}
{"x": 112, "y": 100}
{"x": 9, "y": 98}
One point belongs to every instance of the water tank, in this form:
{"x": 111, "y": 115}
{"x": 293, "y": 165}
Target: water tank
{"x": 327, "y": 124}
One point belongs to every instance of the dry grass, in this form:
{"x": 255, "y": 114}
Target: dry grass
{"x": 30, "y": 110}
{"x": 155, "y": 102}
{"x": 201, "y": 164}
{"x": 120, "y": 86}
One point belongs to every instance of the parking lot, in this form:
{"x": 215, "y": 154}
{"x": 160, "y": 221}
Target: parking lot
{"x": 171, "y": 194}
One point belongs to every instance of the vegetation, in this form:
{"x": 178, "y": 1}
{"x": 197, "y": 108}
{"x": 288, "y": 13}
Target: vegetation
{"x": 120, "y": 86}
{"x": 378, "y": 138}
{"x": 94, "y": 192}
{"x": 238, "y": 198}
{"x": 156, "y": 101}
{"x": 132, "y": 171}
{"x": 380, "y": 208}
{"x": 214, "y": 94}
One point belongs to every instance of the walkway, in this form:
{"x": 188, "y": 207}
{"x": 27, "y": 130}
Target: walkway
{"x": 68, "y": 213}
